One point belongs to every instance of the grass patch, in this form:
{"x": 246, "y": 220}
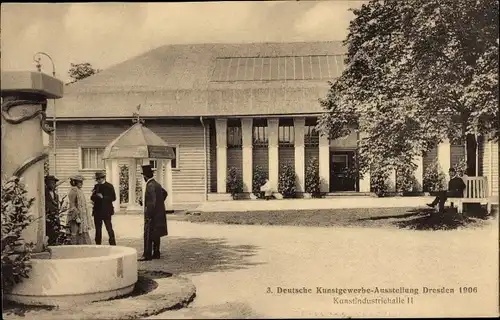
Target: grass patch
{"x": 407, "y": 218}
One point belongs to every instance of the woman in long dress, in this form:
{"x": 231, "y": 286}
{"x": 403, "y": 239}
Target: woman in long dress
{"x": 79, "y": 219}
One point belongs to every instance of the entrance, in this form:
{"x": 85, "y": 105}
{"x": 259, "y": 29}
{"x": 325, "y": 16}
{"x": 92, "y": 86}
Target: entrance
{"x": 341, "y": 168}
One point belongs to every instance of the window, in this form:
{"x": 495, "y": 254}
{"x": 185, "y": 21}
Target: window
{"x": 260, "y": 135}
{"x": 312, "y": 136}
{"x": 154, "y": 163}
{"x": 91, "y": 158}
{"x": 286, "y": 134}
{"x": 234, "y": 137}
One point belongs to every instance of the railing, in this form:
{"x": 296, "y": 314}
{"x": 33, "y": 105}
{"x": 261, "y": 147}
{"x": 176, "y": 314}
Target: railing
{"x": 476, "y": 187}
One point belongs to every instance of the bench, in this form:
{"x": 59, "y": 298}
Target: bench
{"x": 476, "y": 191}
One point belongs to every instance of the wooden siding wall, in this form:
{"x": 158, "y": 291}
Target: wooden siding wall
{"x": 188, "y": 179}
{"x": 286, "y": 156}
{"x": 235, "y": 159}
{"x": 213, "y": 158}
{"x": 490, "y": 164}
{"x": 311, "y": 152}
{"x": 261, "y": 158}
{"x": 429, "y": 158}
{"x": 457, "y": 154}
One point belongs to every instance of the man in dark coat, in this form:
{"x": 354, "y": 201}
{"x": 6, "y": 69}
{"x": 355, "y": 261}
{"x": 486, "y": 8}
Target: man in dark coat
{"x": 155, "y": 219}
{"x": 103, "y": 196}
{"x": 52, "y": 219}
{"x": 456, "y": 187}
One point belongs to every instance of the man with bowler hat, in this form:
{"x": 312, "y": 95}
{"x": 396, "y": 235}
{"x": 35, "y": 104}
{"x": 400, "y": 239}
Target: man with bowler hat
{"x": 52, "y": 219}
{"x": 103, "y": 196}
{"x": 155, "y": 220}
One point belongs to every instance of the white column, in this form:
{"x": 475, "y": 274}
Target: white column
{"x": 247, "y": 150}
{"x": 392, "y": 180}
{"x": 145, "y": 162}
{"x": 364, "y": 182}
{"x": 115, "y": 181}
{"x": 160, "y": 174}
{"x": 324, "y": 162}
{"x": 300, "y": 167}
{"x": 168, "y": 184}
{"x": 221, "y": 133}
{"x": 132, "y": 182}
{"x": 273, "y": 151}
{"x": 444, "y": 157}
{"x": 419, "y": 171}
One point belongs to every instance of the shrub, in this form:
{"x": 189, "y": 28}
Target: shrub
{"x": 461, "y": 166}
{"x": 406, "y": 180}
{"x": 16, "y": 254}
{"x": 138, "y": 190}
{"x": 434, "y": 178}
{"x": 259, "y": 179}
{"x": 124, "y": 184}
{"x": 234, "y": 182}
{"x": 312, "y": 179}
{"x": 57, "y": 232}
{"x": 380, "y": 183}
{"x": 286, "y": 184}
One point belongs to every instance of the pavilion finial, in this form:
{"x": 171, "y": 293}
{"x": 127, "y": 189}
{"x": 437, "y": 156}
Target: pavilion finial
{"x": 136, "y": 115}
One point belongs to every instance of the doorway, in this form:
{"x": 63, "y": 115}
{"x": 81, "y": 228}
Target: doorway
{"x": 342, "y": 167}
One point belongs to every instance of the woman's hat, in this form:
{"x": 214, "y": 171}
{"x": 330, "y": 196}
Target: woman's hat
{"x": 77, "y": 178}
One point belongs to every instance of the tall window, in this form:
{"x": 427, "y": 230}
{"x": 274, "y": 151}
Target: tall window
{"x": 234, "y": 137}
{"x": 91, "y": 158}
{"x": 312, "y": 136}
{"x": 260, "y": 135}
{"x": 286, "y": 134}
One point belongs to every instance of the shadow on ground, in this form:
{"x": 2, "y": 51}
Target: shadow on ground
{"x": 429, "y": 219}
{"x": 196, "y": 255}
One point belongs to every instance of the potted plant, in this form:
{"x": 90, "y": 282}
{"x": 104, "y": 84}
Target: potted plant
{"x": 286, "y": 185}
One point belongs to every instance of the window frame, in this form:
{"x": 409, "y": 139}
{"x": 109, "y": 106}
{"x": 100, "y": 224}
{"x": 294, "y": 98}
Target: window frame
{"x": 311, "y": 139}
{"x": 265, "y": 130}
{"x": 230, "y": 142}
{"x": 80, "y": 158}
{"x": 291, "y": 133}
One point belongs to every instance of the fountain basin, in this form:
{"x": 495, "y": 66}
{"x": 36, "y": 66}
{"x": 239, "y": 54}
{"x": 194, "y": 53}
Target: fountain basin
{"x": 78, "y": 274}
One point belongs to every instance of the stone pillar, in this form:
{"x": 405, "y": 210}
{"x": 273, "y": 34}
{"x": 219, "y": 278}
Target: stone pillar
{"x": 300, "y": 157}
{"x": 272, "y": 125}
{"x": 25, "y": 97}
{"x": 115, "y": 181}
{"x": 392, "y": 180}
{"x": 247, "y": 150}
{"x": 221, "y": 134}
{"x": 444, "y": 157}
{"x": 364, "y": 182}
{"x": 132, "y": 182}
{"x": 419, "y": 171}
{"x": 324, "y": 163}
{"x": 168, "y": 184}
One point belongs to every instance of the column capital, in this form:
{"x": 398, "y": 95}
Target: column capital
{"x": 18, "y": 83}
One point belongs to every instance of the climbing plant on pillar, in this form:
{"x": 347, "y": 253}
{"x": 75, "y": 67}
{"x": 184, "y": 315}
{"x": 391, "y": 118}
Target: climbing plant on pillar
{"x": 15, "y": 218}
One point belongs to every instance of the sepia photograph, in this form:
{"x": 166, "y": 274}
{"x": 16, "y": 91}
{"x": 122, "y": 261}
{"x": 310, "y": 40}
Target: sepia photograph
{"x": 250, "y": 159}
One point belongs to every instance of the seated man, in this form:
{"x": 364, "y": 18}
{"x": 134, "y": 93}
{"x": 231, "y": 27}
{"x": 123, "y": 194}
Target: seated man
{"x": 266, "y": 188}
{"x": 456, "y": 188}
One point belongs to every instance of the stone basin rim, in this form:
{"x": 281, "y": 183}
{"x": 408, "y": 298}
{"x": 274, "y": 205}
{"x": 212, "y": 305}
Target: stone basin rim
{"x": 119, "y": 252}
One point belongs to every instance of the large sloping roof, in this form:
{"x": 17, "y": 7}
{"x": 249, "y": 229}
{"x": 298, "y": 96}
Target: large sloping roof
{"x": 198, "y": 80}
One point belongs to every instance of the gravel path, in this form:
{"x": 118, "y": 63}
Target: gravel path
{"x": 233, "y": 265}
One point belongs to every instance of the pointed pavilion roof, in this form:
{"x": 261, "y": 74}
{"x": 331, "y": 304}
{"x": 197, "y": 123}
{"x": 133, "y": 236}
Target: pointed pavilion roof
{"x": 138, "y": 142}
